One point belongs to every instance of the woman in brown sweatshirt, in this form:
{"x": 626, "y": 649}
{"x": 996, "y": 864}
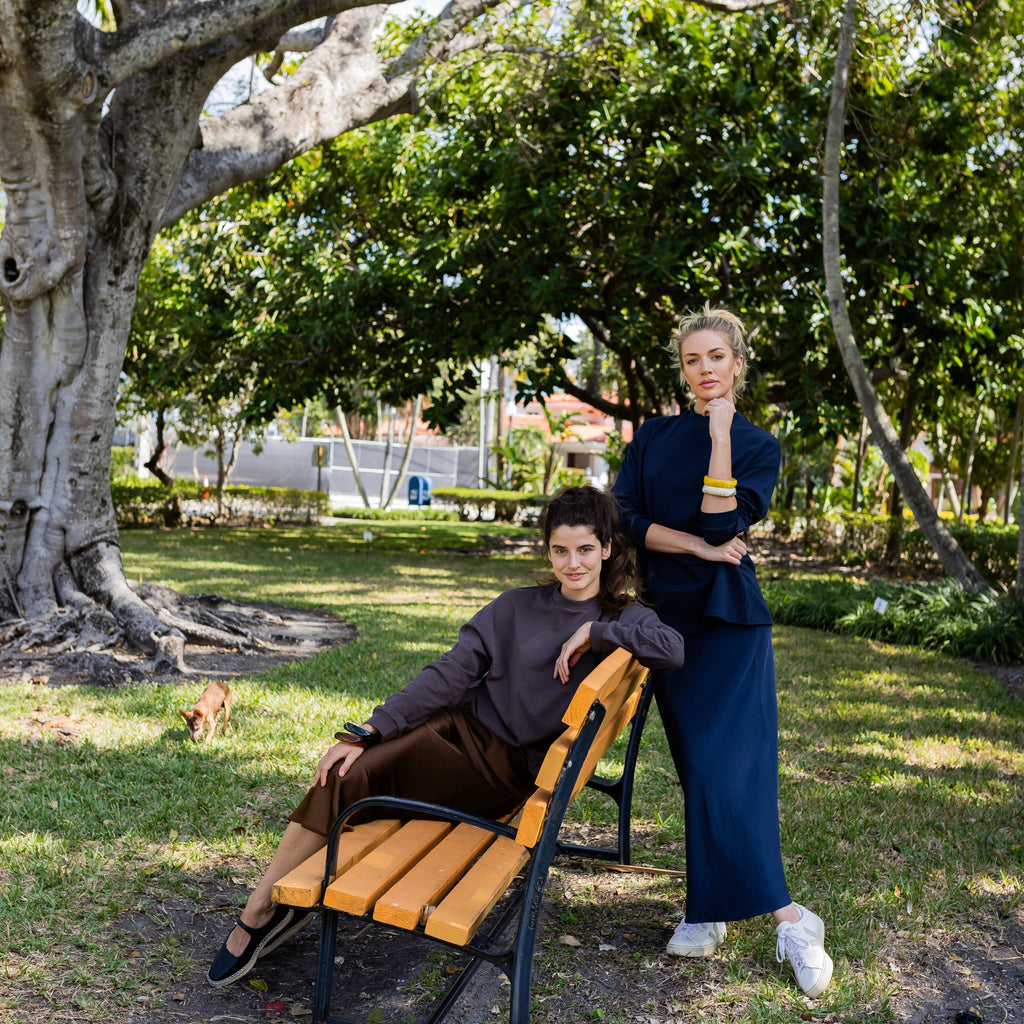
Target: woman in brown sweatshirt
{"x": 471, "y": 729}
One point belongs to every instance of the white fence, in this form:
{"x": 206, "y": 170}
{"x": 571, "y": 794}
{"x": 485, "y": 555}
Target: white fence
{"x": 283, "y": 463}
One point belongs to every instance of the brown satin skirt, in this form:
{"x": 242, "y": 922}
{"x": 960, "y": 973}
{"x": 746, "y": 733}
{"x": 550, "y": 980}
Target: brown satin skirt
{"x": 451, "y": 759}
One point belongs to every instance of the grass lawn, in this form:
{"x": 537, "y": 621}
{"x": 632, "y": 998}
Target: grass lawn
{"x": 900, "y": 790}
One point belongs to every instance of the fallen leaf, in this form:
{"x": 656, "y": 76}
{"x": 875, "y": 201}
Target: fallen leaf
{"x": 258, "y": 983}
{"x": 300, "y": 1011}
{"x": 958, "y": 959}
{"x": 569, "y": 940}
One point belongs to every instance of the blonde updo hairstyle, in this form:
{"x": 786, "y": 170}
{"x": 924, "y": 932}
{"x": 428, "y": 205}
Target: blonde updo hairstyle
{"x": 725, "y": 324}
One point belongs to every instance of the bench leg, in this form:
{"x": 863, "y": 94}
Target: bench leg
{"x": 325, "y": 965}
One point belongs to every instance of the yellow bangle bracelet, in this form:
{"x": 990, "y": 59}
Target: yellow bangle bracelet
{"x": 712, "y": 482}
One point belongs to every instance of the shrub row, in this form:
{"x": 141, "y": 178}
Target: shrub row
{"x": 939, "y": 616}
{"x": 428, "y": 513}
{"x": 850, "y": 538}
{"x": 473, "y": 503}
{"x": 148, "y": 502}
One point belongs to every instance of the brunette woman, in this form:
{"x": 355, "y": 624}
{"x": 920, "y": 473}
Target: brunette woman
{"x": 470, "y": 731}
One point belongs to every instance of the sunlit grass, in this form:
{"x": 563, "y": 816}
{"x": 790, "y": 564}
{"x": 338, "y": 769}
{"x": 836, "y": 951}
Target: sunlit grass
{"x": 900, "y": 784}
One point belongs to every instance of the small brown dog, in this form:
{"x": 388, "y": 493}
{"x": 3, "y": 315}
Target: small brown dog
{"x": 208, "y": 707}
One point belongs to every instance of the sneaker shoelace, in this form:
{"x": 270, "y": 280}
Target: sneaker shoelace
{"x": 791, "y": 942}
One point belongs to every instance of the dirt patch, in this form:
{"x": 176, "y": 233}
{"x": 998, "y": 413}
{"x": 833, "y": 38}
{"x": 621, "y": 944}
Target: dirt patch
{"x": 601, "y": 944}
{"x": 376, "y": 972}
{"x": 1012, "y": 678}
{"x": 968, "y": 979}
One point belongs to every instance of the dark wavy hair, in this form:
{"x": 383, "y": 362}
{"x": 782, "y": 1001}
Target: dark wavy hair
{"x": 587, "y": 506}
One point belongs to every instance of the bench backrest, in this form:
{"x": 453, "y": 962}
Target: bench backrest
{"x": 617, "y": 683}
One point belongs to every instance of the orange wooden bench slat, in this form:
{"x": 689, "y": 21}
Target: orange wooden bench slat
{"x": 302, "y": 886}
{"x": 602, "y": 681}
{"x": 407, "y": 902}
{"x": 606, "y": 736}
{"x": 531, "y": 824}
{"x": 357, "y": 889}
{"x": 556, "y": 754}
{"x": 463, "y": 910}
{"x": 554, "y": 759}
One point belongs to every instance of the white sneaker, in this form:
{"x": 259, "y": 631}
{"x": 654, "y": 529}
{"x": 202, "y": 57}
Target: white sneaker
{"x": 696, "y": 939}
{"x": 803, "y": 942}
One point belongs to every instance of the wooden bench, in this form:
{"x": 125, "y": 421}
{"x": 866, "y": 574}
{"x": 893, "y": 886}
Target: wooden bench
{"x": 442, "y": 877}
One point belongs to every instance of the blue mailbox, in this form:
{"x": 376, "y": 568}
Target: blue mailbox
{"x": 419, "y": 490}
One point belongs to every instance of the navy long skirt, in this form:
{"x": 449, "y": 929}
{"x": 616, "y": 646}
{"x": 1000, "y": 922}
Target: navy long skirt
{"x": 721, "y": 719}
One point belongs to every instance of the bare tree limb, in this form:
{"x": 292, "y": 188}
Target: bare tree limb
{"x": 342, "y": 85}
{"x": 735, "y": 6}
{"x": 137, "y": 47}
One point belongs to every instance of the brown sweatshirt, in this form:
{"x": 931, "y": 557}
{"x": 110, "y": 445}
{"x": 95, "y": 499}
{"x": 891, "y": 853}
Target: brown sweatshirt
{"x": 501, "y": 669}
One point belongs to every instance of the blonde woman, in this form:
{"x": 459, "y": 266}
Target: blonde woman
{"x": 689, "y": 488}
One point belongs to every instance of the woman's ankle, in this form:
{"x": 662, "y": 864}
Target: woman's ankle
{"x": 256, "y": 913}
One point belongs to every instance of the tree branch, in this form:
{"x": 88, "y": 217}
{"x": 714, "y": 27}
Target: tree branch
{"x": 342, "y": 85}
{"x": 137, "y": 47}
{"x": 446, "y": 38}
{"x": 735, "y": 6}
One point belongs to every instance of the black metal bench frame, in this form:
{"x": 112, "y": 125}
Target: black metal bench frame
{"x": 514, "y": 956}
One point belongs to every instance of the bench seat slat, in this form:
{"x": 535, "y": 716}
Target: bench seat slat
{"x": 302, "y": 886}
{"x": 357, "y": 889}
{"x": 463, "y": 910}
{"x": 407, "y": 902}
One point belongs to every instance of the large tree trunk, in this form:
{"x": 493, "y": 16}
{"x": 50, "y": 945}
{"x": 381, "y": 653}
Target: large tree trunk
{"x": 950, "y": 554}
{"x": 87, "y": 191}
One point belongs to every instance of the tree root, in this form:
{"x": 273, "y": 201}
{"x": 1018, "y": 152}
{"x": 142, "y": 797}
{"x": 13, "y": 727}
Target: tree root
{"x": 202, "y": 621}
{"x": 65, "y": 630}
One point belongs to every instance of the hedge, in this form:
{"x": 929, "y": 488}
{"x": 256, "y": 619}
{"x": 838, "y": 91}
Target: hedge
{"x": 148, "y": 503}
{"x": 426, "y": 513}
{"x": 473, "y": 503}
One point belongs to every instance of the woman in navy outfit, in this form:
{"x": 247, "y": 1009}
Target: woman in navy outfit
{"x": 689, "y": 487}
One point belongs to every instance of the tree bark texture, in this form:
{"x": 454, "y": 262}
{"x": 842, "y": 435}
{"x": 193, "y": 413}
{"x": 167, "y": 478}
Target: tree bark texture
{"x": 950, "y": 554}
{"x": 103, "y": 141}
